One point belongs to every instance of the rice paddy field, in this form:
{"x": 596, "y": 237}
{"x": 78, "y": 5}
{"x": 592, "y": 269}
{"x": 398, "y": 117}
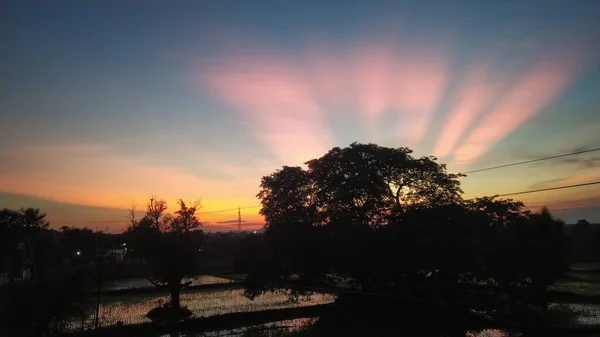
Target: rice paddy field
{"x": 582, "y": 279}
{"x": 132, "y": 309}
{"x": 138, "y": 283}
{"x": 272, "y": 329}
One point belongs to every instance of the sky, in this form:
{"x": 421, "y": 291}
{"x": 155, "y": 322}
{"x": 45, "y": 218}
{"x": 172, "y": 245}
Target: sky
{"x": 105, "y": 103}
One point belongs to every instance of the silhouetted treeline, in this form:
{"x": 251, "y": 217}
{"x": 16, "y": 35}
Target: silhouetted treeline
{"x": 45, "y": 281}
{"x": 584, "y": 241}
{"x": 381, "y": 221}
{"x": 373, "y": 219}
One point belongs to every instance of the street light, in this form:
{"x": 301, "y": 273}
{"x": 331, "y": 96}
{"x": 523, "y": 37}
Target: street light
{"x": 78, "y": 253}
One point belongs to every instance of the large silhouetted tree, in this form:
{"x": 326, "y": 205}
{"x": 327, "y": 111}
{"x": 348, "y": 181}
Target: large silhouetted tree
{"x": 324, "y": 220}
{"x": 380, "y": 220}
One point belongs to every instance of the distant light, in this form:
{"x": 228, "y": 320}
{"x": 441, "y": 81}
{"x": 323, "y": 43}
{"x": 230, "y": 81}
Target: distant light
{"x": 78, "y": 253}
{"x": 200, "y": 249}
{"x": 125, "y": 244}
{"x": 132, "y": 249}
{"x": 254, "y": 232}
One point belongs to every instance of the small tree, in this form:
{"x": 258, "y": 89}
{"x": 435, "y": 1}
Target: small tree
{"x": 19, "y": 230}
{"x": 155, "y": 212}
{"x": 171, "y": 245}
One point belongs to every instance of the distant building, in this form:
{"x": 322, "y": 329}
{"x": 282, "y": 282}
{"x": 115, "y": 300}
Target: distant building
{"x": 117, "y": 254}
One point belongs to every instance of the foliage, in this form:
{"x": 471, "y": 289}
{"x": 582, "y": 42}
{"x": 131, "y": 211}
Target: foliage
{"x": 22, "y": 232}
{"x": 584, "y": 244}
{"x": 54, "y": 292}
{"x": 380, "y": 220}
{"x": 170, "y": 244}
{"x": 51, "y": 301}
{"x": 324, "y": 219}
{"x": 168, "y": 313}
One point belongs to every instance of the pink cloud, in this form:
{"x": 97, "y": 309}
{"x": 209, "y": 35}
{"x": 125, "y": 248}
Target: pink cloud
{"x": 566, "y": 204}
{"x": 277, "y": 104}
{"x": 474, "y": 95}
{"x": 582, "y": 178}
{"x": 409, "y": 83}
{"x": 538, "y": 87}
{"x": 285, "y": 102}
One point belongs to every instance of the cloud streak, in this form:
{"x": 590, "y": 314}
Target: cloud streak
{"x": 574, "y": 180}
{"x": 475, "y": 94}
{"x": 539, "y": 86}
{"x": 286, "y": 104}
{"x": 276, "y": 104}
{"x": 288, "y": 100}
{"x": 102, "y": 178}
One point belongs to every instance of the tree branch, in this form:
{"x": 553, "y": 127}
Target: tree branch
{"x": 156, "y": 284}
{"x": 185, "y": 284}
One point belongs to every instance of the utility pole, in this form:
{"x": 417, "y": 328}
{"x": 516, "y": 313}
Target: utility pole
{"x": 99, "y": 281}
{"x": 239, "y": 219}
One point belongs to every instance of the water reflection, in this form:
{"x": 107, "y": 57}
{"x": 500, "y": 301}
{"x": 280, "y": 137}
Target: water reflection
{"x": 280, "y": 328}
{"x": 132, "y": 309}
{"x": 137, "y": 283}
{"x": 289, "y": 327}
{"x": 493, "y": 333}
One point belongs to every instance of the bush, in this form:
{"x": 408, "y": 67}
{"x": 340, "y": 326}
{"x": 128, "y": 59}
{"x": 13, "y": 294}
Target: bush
{"x": 168, "y": 314}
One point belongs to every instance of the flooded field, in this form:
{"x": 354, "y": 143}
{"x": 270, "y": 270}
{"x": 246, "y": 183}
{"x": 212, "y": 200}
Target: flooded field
{"x": 583, "y": 314}
{"x": 137, "y": 283}
{"x": 133, "y": 309}
{"x": 279, "y": 328}
{"x": 303, "y": 327}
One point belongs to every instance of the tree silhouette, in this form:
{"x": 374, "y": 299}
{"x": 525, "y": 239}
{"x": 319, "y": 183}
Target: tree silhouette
{"x": 581, "y": 237}
{"x": 379, "y": 220}
{"x": 19, "y": 232}
{"x": 171, "y": 245}
{"x": 540, "y": 253}
{"x": 155, "y": 212}
{"x": 52, "y": 295}
{"x": 325, "y": 220}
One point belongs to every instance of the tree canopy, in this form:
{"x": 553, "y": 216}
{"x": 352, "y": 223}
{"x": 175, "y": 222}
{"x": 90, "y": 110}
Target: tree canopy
{"x": 170, "y": 244}
{"x": 379, "y": 219}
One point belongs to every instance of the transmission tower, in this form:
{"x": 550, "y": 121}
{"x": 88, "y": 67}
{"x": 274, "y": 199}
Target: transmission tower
{"x": 239, "y": 219}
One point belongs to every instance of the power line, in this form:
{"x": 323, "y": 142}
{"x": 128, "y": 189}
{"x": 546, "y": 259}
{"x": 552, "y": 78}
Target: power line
{"x": 532, "y": 161}
{"x": 125, "y": 220}
{"x": 230, "y": 209}
{"x": 256, "y": 206}
{"x": 550, "y": 189}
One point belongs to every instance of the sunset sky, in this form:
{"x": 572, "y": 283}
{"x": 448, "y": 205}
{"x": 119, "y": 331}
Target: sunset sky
{"x": 104, "y": 103}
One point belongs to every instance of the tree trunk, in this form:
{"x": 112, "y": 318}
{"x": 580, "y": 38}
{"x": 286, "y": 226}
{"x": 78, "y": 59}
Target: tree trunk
{"x": 175, "y": 292}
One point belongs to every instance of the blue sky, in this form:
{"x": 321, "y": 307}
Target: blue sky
{"x": 104, "y": 103}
